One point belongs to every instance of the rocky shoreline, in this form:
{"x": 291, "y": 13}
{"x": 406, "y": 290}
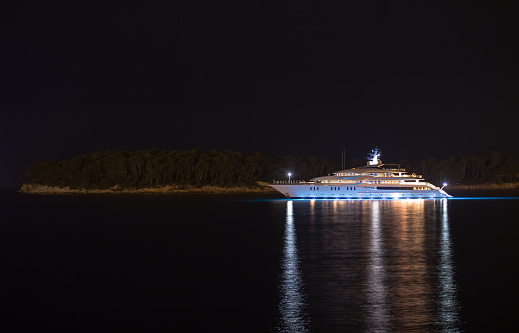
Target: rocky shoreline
{"x": 261, "y": 188}
{"x": 169, "y": 189}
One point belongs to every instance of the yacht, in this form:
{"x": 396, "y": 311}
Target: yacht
{"x": 373, "y": 181}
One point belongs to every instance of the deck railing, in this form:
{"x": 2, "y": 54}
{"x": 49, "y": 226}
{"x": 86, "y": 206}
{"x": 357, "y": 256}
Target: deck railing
{"x": 292, "y": 181}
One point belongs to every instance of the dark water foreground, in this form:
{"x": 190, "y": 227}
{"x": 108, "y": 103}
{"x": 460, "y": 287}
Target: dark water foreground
{"x": 247, "y": 264}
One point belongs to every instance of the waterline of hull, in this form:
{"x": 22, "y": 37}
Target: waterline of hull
{"x": 328, "y": 192}
{"x": 370, "y": 198}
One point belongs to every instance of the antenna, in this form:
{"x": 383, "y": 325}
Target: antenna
{"x": 343, "y": 158}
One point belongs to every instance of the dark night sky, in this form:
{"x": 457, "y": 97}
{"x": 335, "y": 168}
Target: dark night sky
{"x": 416, "y": 78}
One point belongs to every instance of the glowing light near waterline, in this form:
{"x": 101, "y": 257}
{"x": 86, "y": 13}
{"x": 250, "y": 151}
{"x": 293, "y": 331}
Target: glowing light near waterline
{"x": 378, "y": 198}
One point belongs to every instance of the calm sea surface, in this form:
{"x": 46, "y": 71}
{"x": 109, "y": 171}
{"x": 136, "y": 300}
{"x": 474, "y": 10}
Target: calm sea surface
{"x": 257, "y": 264}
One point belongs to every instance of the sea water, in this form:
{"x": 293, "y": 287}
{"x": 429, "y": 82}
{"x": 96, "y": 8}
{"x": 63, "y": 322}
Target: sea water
{"x": 247, "y": 263}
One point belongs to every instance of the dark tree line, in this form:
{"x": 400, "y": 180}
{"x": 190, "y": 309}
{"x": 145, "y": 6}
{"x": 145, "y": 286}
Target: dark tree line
{"x": 468, "y": 169}
{"x": 162, "y": 167}
{"x": 155, "y": 167}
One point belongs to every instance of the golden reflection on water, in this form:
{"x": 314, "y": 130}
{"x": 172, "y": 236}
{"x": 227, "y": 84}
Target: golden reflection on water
{"x": 402, "y": 257}
{"x": 412, "y": 290}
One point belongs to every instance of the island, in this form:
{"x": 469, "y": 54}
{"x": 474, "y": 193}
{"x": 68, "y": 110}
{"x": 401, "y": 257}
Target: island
{"x": 229, "y": 172}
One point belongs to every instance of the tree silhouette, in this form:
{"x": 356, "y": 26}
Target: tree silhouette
{"x": 148, "y": 168}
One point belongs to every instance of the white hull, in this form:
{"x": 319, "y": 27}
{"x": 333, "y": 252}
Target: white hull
{"x": 339, "y": 191}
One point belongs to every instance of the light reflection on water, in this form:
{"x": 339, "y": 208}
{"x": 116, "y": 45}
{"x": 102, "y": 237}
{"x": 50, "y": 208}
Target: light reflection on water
{"x": 370, "y": 265}
{"x": 292, "y": 301}
{"x": 378, "y": 307}
{"x": 448, "y": 305}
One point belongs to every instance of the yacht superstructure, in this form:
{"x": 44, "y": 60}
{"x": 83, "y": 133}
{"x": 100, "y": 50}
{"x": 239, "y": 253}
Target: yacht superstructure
{"x": 373, "y": 181}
